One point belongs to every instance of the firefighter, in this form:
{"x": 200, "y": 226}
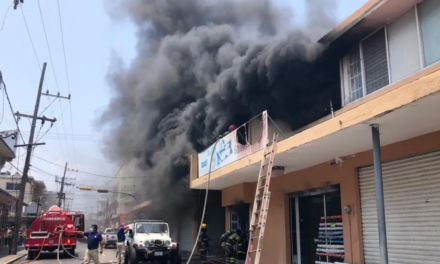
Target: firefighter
{"x": 204, "y": 244}
{"x": 242, "y": 247}
{"x": 230, "y": 252}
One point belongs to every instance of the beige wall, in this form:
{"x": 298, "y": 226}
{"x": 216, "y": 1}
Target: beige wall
{"x": 345, "y": 174}
{"x": 28, "y": 192}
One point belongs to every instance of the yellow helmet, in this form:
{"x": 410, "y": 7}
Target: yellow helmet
{"x": 204, "y": 225}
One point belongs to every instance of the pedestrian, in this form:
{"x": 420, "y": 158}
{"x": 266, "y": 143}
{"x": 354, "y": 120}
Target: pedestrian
{"x": 204, "y": 244}
{"x": 9, "y": 237}
{"x": 94, "y": 240}
{"x": 121, "y": 244}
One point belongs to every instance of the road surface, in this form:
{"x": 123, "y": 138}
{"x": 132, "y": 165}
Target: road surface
{"x": 108, "y": 257}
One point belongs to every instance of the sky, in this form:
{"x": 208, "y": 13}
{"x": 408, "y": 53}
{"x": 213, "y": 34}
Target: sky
{"x": 91, "y": 40}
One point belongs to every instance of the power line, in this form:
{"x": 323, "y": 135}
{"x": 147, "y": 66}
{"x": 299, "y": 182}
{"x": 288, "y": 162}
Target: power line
{"x": 53, "y": 69}
{"x": 39, "y": 66}
{"x": 67, "y": 77}
{"x": 48, "y": 46}
{"x": 30, "y": 38}
{"x": 4, "y": 18}
{"x": 89, "y": 173}
{"x": 10, "y": 105}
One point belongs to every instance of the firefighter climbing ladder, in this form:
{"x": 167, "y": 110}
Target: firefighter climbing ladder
{"x": 261, "y": 202}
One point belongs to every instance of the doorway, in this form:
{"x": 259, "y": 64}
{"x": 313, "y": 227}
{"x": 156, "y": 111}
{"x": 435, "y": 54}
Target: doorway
{"x": 316, "y": 226}
{"x": 240, "y": 213}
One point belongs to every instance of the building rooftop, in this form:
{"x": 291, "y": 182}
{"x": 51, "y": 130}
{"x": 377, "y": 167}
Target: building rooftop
{"x": 371, "y": 16}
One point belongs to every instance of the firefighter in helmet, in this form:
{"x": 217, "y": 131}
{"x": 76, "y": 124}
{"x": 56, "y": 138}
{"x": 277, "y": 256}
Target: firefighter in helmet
{"x": 242, "y": 247}
{"x": 204, "y": 244}
{"x": 232, "y": 240}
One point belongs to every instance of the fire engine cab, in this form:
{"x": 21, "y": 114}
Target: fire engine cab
{"x": 54, "y": 229}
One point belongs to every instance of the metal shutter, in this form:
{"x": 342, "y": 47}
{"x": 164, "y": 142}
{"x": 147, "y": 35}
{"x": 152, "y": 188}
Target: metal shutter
{"x": 215, "y": 219}
{"x": 375, "y": 61}
{"x": 187, "y": 231}
{"x": 412, "y": 210}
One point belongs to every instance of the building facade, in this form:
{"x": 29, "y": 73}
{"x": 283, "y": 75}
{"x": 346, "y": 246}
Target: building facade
{"x": 365, "y": 178}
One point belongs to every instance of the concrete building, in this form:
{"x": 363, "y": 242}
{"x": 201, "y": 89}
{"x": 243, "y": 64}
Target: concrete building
{"x": 328, "y": 173}
{"x": 33, "y": 193}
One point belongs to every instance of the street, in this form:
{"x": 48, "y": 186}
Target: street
{"x": 109, "y": 256}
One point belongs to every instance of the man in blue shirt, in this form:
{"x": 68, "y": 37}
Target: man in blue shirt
{"x": 94, "y": 240}
{"x": 120, "y": 253}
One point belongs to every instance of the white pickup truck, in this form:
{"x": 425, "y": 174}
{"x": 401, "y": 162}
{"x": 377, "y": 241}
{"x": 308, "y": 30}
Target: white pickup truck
{"x": 110, "y": 237}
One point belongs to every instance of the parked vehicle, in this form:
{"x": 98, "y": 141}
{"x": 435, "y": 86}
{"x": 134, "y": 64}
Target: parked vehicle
{"x": 110, "y": 237}
{"x": 151, "y": 242}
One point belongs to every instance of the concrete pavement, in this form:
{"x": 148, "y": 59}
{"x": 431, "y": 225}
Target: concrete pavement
{"x": 108, "y": 257}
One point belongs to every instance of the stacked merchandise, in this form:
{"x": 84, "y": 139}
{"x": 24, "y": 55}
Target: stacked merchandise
{"x": 330, "y": 242}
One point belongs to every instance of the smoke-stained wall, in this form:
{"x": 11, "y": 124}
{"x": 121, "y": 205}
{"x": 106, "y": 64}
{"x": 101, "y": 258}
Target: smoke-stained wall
{"x": 202, "y": 65}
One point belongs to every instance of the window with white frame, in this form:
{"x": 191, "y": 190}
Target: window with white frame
{"x": 396, "y": 51}
{"x": 429, "y": 17}
{"x": 352, "y": 82}
{"x": 235, "y": 223}
{"x": 403, "y": 42}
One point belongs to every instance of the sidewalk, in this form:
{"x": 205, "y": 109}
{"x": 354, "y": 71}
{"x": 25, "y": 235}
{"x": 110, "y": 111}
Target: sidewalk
{"x": 5, "y": 258}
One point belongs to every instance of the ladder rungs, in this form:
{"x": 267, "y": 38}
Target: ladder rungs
{"x": 265, "y": 164}
{"x": 268, "y": 153}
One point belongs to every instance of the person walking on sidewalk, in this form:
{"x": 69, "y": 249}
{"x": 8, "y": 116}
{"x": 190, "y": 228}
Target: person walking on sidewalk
{"x": 94, "y": 240}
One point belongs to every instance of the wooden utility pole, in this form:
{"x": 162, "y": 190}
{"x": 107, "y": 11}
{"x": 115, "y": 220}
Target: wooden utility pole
{"x": 61, "y": 195}
{"x": 29, "y": 147}
{"x": 24, "y": 178}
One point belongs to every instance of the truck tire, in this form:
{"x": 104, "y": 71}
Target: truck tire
{"x": 72, "y": 253}
{"x": 30, "y": 255}
{"x": 176, "y": 259}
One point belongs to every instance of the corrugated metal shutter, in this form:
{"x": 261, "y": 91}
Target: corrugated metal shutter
{"x": 215, "y": 219}
{"x": 375, "y": 61}
{"x": 187, "y": 230}
{"x": 412, "y": 210}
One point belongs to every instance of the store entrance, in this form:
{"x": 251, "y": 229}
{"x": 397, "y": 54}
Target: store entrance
{"x": 240, "y": 216}
{"x": 316, "y": 226}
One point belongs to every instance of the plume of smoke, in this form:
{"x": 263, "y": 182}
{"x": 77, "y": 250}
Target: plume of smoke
{"x": 202, "y": 65}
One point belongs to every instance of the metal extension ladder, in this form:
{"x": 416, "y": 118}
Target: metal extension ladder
{"x": 261, "y": 202}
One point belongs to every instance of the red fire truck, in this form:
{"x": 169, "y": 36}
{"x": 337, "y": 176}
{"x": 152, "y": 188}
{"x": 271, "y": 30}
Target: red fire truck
{"x": 54, "y": 229}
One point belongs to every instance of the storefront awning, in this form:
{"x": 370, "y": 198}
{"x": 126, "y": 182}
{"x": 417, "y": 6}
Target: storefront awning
{"x": 7, "y": 198}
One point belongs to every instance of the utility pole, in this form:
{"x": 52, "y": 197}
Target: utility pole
{"x": 61, "y": 195}
{"x": 29, "y": 147}
{"x": 24, "y": 178}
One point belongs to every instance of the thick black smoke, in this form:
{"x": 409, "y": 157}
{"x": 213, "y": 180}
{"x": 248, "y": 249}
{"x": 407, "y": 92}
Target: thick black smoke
{"x": 202, "y": 65}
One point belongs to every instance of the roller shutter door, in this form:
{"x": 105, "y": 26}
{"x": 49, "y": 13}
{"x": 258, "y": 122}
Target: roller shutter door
{"x": 187, "y": 230}
{"x": 412, "y": 210}
{"x": 215, "y": 219}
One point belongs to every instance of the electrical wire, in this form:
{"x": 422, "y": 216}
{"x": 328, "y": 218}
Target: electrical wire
{"x": 39, "y": 67}
{"x": 68, "y": 79}
{"x": 10, "y": 106}
{"x": 4, "y": 18}
{"x": 44, "y": 110}
{"x": 3, "y": 107}
{"x": 206, "y": 200}
{"x": 53, "y": 70}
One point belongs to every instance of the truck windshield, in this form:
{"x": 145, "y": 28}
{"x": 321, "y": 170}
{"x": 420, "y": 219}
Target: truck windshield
{"x": 151, "y": 228}
{"x": 110, "y": 230}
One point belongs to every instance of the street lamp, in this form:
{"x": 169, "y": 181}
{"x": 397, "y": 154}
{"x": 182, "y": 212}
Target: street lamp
{"x": 88, "y": 188}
